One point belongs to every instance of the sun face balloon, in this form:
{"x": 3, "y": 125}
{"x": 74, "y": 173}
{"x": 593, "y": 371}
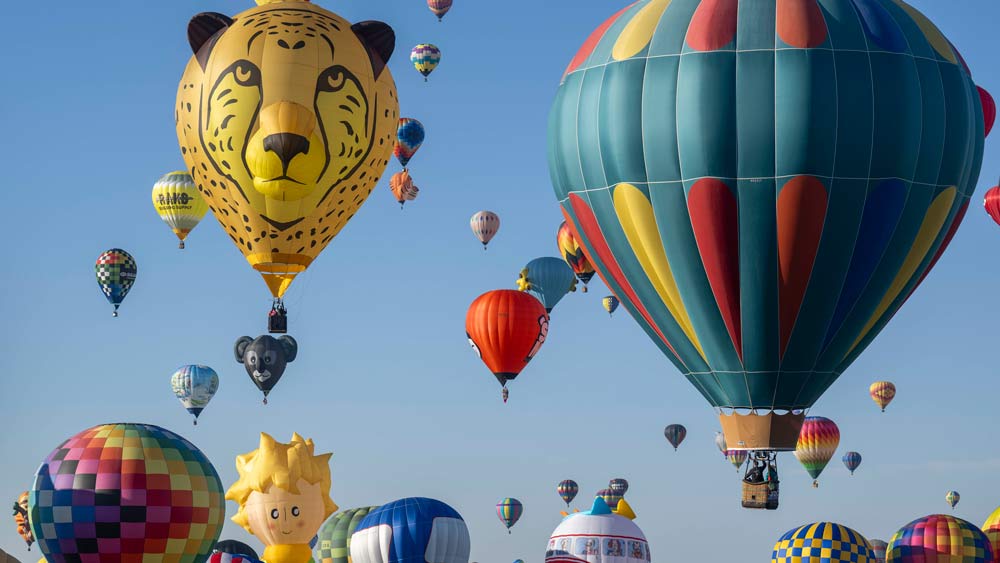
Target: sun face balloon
{"x": 823, "y": 542}
{"x": 136, "y": 492}
{"x": 286, "y": 132}
{"x": 760, "y": 193}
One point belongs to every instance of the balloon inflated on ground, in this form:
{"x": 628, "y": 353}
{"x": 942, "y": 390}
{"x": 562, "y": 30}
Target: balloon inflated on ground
{"x": 939, "y": 538}
{"x": 823, "y": 542}
{"x": 992, "y": 529}
{"x": 598, "y": 535}
{"x": 411, "y": 529}
{"x": 126, "y": 486}
{"x": 334, "y": 538}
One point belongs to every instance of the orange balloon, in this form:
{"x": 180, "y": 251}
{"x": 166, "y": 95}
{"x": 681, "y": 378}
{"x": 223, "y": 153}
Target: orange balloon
{"x": 506, "y": 328}
{"x": 402, "y": 187}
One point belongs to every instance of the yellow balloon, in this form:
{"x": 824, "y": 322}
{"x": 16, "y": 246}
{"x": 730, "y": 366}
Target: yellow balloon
{"x": 286, "y": 117}
{"x": 178, "y": 203}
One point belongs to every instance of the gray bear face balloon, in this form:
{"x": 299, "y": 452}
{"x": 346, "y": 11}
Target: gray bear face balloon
{"x": 265, "y": 358}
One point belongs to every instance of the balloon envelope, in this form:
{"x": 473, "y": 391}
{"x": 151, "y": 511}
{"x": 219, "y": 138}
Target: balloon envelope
{"x": 334, "y": 545}
{"x": 439, "y": 7}
{"x": 549, "y": 279}
{"x": 409, "y": 136}
{"x": 116, "y": 272}
{"x": 195, "y": 386}
{"x": 618, "y": 485}
{"x": 879, "y": 549}
{"x": 952, "y": 498}
{"x": 610, "y": 304}
{"x": 509, "y": 511}
{"x": 822, "y": 542}
{"x": 411, "y": 529}
{"x": 939, "y": 538}
{"x": 817, "y": 443}
{"x": 736, "y": 457}
{"x": 852, "y": 460}
{"x": 425, "y": 58}
{"x": 571, "y": 252}
{"x": 992, "y": 529}
{"x": 989, "y": 109}
{"x": 675, "y": 434}
{"x": 568, "y": 490}
{"x": 882, "y": 392}
{"x": 234, "y": 547}
{"x": 506, "y": 328}
{"x": 597, "y": 536}
{"x": 178, "y": 203}
{"x": 992, "y": 203}
{"x": 485, "y": 225}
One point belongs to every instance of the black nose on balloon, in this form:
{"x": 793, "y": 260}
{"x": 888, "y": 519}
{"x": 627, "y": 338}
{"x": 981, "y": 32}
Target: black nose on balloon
{"x": 286, "y": 145}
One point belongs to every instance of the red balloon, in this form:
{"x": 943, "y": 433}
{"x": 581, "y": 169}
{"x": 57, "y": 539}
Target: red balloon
{"x": 992, "y": 203}
{"x": 989, "y": 109}
{"x": 506, "y": 328}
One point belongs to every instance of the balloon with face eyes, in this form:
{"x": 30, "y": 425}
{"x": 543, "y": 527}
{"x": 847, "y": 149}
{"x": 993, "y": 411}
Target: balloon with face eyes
{"x": 265, "y": 359}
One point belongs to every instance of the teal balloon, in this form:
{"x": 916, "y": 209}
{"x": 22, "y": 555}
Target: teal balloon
{"x": 549, "y": 279}
{"x": 763, "y": 193}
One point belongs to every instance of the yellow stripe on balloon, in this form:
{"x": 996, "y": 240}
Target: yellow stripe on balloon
{"x": 931, "y": 32}
{"x": 639, "y": 32}
{"x": 934, "y": 220}
{"x": 635, "y": 214}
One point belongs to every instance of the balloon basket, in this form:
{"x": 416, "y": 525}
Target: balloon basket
{"x": 181, "y": 245}
{"x": 758, "y": 496}
{"x": 265, "y": 400}
{"x": 115, "y": 314}
{"x": 815, "y": 484}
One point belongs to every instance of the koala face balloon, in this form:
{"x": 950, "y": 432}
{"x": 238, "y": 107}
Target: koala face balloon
{"x": 265, "y": 359}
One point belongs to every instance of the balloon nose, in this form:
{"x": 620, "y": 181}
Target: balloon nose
{"x": 286, "y": 145}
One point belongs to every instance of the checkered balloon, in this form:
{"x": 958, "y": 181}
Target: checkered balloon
{"x": 126, "y": 493}
{"x": 116, "y": 271}
{"x": 822, "y": 542}
{"x": 939, "y": 539}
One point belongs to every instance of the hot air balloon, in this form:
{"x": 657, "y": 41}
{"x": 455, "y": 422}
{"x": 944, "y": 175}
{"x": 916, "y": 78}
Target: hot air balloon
{"x": 992, "y": 529}
{"x": 878, "y": 550}
{"x": 265, "y": 359}
{"x": 720, "y": 442}
{"x": 179, "y": 204}
{"x": 287, "y": 139}
{"x": 568, "y": 489}
{"x": 992, "y": 203}
{"x": 573, "y": 255}
{"x": 335, "y": 536}
{"x": 126, "y": 479}
{"x": 736, "y": 457}
{"x": 822, "y": 542}
{"x": 21, "y": 519}
{"x": 409, "y": 137}
{"x": 851, "y": 461}
{"x": 195, "y": 386}
{"x": 506, "y": 328}
{"x": 425, "y": 58}
{"x": 939, "y": 538}
{"x": 675, "y": 434}
{"x": 234, "y": 547}
{"x": 411, "y": 530}
{"x": 402, "y": 187}
{"x": 882, "y": 392}
{"x": 599, "y": 535}
{"x": 509, "y": 511}
{"x": 989, "y": 110}
{"x": 439, "y": 7}
{"x": 610, "y": 304}
{"x": 548, "y": 279}
{"x": 116, "y": 272}
{"x": 618, "y": 485}
{"x": 610, "y": 497}
{"x": 817, "y": 443}
{"x": 764, "y": 249}
{"x": 485, "y": 225}
{"x": 220, "y": 557}
{"x": 952, "y": 498}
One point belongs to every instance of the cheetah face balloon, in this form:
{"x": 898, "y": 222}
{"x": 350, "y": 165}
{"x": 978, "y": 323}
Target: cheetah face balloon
{"x": 265, "y": 358}
{"x": 286, "y": 116}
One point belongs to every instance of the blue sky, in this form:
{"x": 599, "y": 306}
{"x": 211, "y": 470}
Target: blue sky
{"x": 385, "y": 378}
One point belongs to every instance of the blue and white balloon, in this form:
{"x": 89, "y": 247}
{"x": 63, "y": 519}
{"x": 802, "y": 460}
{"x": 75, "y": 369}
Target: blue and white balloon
{"x": 411, "y": 530}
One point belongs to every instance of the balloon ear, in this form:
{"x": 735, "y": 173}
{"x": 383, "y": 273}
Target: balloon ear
{"x": 380, "y": 41}
{"x": 291, "y": 347}
{"x": 241, "y": 347}
{"x": 201, "y": 29}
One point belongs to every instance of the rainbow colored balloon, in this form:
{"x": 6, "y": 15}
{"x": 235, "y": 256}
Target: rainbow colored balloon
{"x": 882, "y": 392}
{"x": 610, "y": 497}
{"x": 822, "y": 542}
{"x": 571, "y": 252}
{"x": 992, "y": 529}
{"x": 736, "y": 457}
{"x": 939, "y": 539}
{"x": 136, "y": 492}
{"x": 818, "y": 441}
{"x": 568, "y": 489}
{"x": 409, "y": 136}
{"x": 852, "y": 460}
{"x": 509, "y": 511}
{"x": 439, "y": 7}
{"x": 425, "y": 58}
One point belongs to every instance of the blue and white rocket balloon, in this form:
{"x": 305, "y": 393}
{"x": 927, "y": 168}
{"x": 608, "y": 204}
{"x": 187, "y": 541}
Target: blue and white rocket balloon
{"x": 411, "y": 530}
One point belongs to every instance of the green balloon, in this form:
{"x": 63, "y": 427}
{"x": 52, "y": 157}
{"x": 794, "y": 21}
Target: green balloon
{"x": 334, "y": 545}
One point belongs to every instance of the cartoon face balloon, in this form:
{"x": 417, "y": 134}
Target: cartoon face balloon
{"x": 265, "y": 358}
{"x": 286, "y": 117}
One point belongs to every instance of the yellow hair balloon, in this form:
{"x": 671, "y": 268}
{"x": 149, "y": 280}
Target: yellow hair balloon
{"x": 178, "y": 203}
{"x": 286, "y": 132}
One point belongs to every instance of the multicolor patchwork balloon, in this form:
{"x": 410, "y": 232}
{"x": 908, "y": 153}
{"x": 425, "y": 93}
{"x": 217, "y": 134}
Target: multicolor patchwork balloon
{"x": 818, "y": 441}
{"x": 879, "y": 548}
{"x": 992, "y": 529}
{"x": 334, "y": 545}
{"x": 485, "y": 225}
{"x": 610, "y": 304}
{"x": 618, "y": 485}
{"x": 509, "y": 511}
{"x": 571, "y": 252}
{"x": 549, "y": 279}
{"x": 822, "y": 542}
{"x": 194, "y": 386}
{"x": 939, "y": 539}
{"x": 675, "y": 434}
{"x": 409, "y": 136}
{"x": 882, "y": 392}
{"x": 116, "y": 272}
{"x": 568, "y": 489}
{"x": 952, "y": 498}
{"x": 136, "y": 492}
{"x": 736, "y": 457}
{"x": 179, "y": 204}
{"x": 764, "y": 187}
{"x": 439, "y": 7}
{"x": 425, "y": 58}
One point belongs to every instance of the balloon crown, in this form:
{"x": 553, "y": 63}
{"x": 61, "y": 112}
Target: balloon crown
{"x": 262, "y": 2}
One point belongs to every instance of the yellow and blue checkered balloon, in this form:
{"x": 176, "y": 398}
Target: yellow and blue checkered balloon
{"x": 822, "y": 542}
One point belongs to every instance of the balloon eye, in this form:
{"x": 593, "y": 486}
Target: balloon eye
{"x": 295, "y": 511}
{"x": 267, "y": 359}
{"x": 253, "y": 359}
{"x": 274, "y": 513}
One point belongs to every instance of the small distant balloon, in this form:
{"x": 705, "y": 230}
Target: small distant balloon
{"x": 610, "y": 497}
{"x": 852, "y": 460}
{"x": 610, "y": 304}
{"x": 573, "y": 254}
{"x": 485, "y": 225}
{"x": 425, "y": 58}
{"x": 179, "y": 204}
{"x": 194, "y": 386}
{"x": 952, "y": 498}
{"x": 116, "y": 272}
{"x": 619, "y": 486}
{"x": 402, "y": 187}
{"x": 818, "y": 441}
{"x": 882, "y": 392}
{"x": 409, "y": 136}
{"x": 568, "y": 489}
{"x": 509, "y": 511}
{"x": 720, "y": 442}
{"x": 736, "y": 457}
{"x": 439, "y": 7}
{"x": 675, "y": 434}
{"x": 547, "y": 278}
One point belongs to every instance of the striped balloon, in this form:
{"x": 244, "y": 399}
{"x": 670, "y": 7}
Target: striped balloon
{"x": 509, "y": 511}
{"x": 852, "y": 460}
{"x": 992, "y": 529}
{"x": 401, "y": 185}
{"x": 879, "y": 549}
{"x": 409, "y": 136}
{"x": 818, "y": 441}
{"x": 991, "y": 201}
{"x": 116, "y": 271}
{"x": 610, "y": 497}
{"x": 822, "y": 542}
{"x": 439, "y": 7}
{"x": 179, "y": 204}
{"x": 675, "y": 434}
{"x": 882, "y": 392}
{"x": 485, "y": 225}
{"x": 571, "y": 252}
{"x": 610, "y": 304}
{"x": 619, "y": 486}
{"x": 939, "y": 539}
{"x": 952, "y": 498}
{"x": 736, "y": 457}
{"x": 425, "y": 58}
{"x": 568, "y": 489}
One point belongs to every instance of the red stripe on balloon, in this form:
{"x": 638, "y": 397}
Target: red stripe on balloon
{"x": 713, "y": 25}
{"x": 588, "y": 222}
{"x": 992, "y": 203}
{"x": 801, "y": 213}
{"x": 715, "y": 220}
{"x": 989, "y": 109}
{"x": 944, "y": 246}
{"x": 591, "y": 43}
{"x": 800, "y": 23}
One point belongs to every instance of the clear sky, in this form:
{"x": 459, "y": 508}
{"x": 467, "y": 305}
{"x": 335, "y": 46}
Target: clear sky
{"x": 385, "y": 377}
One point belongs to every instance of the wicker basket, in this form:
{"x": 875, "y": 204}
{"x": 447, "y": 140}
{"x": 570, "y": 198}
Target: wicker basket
{"x": 758, "y": 495}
